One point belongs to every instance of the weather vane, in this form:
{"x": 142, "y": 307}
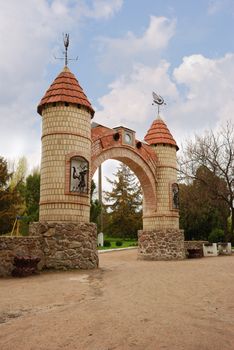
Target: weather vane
{"x": 66, "y": 44}
{"x": 158, "y": 100}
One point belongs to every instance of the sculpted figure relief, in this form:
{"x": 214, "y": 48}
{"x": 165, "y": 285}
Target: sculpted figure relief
{"x": 79, "y": 175}
{"x": 175, "y": 196}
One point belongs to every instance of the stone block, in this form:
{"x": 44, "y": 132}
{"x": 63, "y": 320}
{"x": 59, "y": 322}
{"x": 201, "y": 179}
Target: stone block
{"x": 225, "y": 248}
{"x": 164, "y": 244}
{"x": 210, "y": 249}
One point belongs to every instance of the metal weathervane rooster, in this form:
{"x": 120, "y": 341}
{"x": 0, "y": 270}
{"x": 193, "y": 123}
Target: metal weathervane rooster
{"x": 158, "y": 100}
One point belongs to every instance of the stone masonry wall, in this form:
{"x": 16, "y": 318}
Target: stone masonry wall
{"x": 11, "y": 246}
{"x": 68, "y": 245}
{"x": 164, "y": 244}
{"x": 60, "y": 246}
{"x": 193, "y": 245}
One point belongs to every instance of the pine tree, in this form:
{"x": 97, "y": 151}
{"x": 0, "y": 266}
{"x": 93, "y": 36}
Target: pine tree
{"x": 32, "y": 196}
{"x": 95, "y": 207}
{"x": 124, "y": 204}
{"x": 10, "y": 199}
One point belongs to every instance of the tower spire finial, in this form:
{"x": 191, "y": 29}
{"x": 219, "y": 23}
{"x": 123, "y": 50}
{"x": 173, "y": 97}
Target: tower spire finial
{"x": 66, "y": 44}
{"x": 158, "y": 100}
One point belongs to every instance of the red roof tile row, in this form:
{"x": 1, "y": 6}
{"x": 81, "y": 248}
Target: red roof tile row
{"x": 159, "y": 133}
{"x": 65, "y": 88}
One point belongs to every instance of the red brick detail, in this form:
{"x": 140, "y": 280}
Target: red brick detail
{"x": 105, "y": 136}
{"x": 172, "y": 215}
{"x": 142, "y": 161}
{"x": 64, "y": 202}
{"x": 100, "y": 131}
{"x": 65, "y": 133}
{"x": 167, "y": 166}
{"x": 159, "y": 133}
{"x": 65, "y": 88}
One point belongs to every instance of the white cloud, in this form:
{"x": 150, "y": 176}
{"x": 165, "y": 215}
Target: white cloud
{"x": 97, "y": 9}
{"x": 199, "y": 95}
{"x": 103, "y": 8}
{"x": 129, "y": 101}
{"x": 117, "y": 53}
{"x": 29, "y": 31}
{"x": 209, "y": 91}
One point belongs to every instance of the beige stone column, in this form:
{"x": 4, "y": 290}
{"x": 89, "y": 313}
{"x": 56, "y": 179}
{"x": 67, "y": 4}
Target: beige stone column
{"x": 161, "y": 238}
{"x": 65, "y": 134}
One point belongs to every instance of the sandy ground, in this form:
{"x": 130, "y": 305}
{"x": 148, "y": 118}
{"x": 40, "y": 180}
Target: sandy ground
{"x": 126, "y": 304}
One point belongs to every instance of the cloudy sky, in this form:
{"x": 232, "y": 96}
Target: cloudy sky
{"x": 183, "y": 50}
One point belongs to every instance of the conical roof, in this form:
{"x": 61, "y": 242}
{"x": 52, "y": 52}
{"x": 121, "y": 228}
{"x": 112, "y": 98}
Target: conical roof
{"x": 159, "y": 133}
{"x": 65, "y": 88}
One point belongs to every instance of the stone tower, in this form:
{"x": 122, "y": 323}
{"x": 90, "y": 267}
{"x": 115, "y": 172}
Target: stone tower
{"x": 69, "y": 241}
{"x": 161, "y": 140}
{"x": 166, "y": 240}
{"x": 66, "y": 151}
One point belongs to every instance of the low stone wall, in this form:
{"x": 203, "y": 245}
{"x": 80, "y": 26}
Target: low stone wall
{"x": 11, "y": 246}
{"x": 59, "y": 245}
{"x": 193, "y": 245}
{"x": 167, "y": 244}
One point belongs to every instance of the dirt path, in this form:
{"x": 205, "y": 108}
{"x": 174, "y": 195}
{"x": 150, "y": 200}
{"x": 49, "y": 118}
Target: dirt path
{"x": 126, "y": 304}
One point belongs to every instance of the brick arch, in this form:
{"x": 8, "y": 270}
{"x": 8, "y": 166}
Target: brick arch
{"x": 141, "y": 160}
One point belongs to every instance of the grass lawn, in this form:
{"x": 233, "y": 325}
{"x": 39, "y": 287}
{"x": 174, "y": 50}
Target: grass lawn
{"x": 126, "y": 243}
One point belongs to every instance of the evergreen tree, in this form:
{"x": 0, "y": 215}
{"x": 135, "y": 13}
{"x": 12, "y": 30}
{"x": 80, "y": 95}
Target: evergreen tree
{"x": 32, "y": 196}
{"x": 17, "y": 180}
{"x": 124, "y": 204}
{"x": 10, "y": 199}
{"x": 95, "y": 207}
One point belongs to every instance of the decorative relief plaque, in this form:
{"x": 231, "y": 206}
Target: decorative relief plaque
{"x": 175, "y": 196}
{"x": 79, "y": 175}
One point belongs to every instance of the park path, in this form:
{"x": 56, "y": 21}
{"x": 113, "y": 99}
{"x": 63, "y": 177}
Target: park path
{"x": 125, "y": 304}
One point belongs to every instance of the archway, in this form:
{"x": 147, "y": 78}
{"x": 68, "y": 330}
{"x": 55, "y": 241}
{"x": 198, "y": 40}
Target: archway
{"x": 69, "y": 159}
{"x": 109, "y": 144}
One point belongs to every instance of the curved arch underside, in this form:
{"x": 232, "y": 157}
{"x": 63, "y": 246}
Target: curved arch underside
{"x": 141, "y": 162}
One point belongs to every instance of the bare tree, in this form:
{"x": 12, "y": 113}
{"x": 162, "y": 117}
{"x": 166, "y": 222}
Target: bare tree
{"x": 213, "y": 151}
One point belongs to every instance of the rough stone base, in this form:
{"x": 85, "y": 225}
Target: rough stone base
{"x": 193, "y": 245}
{"x": 68, "y": 245}
{"x": 60, "y": 246}
{"x": 163, "y": 244}
{"x": 11, "y": 246}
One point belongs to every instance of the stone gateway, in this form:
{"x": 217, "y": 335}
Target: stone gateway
{"x": 72, "y": 149}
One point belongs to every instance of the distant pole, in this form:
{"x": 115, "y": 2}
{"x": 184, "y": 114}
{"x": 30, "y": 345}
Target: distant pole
{"x": 100, "y": 195}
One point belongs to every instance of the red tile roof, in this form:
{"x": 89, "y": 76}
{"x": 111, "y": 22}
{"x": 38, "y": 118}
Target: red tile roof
{"x": 65, "y": 88}
{"x": 159, "y": 133}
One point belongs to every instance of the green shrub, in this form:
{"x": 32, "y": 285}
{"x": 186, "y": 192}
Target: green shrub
{"x": 134, "y": 244}
{"x": 216, "y": 235}
{"x": 106, "y": 243}
{"x": 118, "y": 243}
